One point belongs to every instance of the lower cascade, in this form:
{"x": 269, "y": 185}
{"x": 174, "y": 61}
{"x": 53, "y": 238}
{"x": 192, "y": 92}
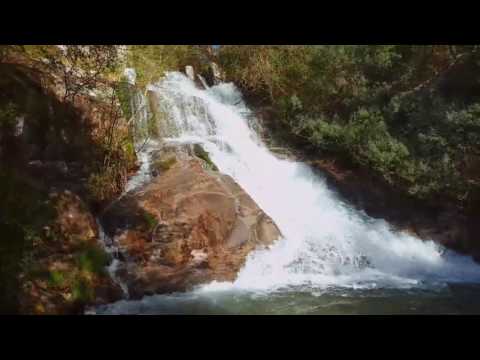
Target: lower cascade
{"x": 327, "y": 247}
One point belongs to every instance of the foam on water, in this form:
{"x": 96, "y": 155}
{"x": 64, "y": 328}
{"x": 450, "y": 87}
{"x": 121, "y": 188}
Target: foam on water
{"x": 325, "y": 241}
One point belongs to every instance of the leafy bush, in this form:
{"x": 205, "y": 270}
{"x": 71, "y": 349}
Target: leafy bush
{"x": 82, "y": 291}
{"x": 365, "y": 139}
{"x": 93, "y": 259}
{"x": 105, "y": 184}
{"x": 57, "y": 278}
{"x": 404, "y": 111}
{"x": 123, "y": 91}
{"x": 23, "y": 212}
{"x": 202, "y": 154}
{"x": 150, "y": 220}
{"x": 151, "y": 61}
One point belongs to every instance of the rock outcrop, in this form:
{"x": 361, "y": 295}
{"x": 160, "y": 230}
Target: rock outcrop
{"x": 190, "y": 225}
{"x": 190, "y": 72}
{"x": 51, "y": 151}
{"x": 217, "y": 75}
{"x": 68, "y": 264}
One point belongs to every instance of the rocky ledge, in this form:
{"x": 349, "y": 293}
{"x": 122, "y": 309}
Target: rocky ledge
{"x": 189, "y": 225}
{"x": 67, "y": 270}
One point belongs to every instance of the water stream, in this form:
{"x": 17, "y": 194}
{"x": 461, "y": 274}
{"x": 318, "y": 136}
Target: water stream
{"x": 332, "y": 259}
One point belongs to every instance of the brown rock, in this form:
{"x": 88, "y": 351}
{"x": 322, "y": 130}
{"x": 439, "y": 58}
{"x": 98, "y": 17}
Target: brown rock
{"x": 188, "y": 226}
{"x": 72, "y": 231}
{"x": 74, "y": 219}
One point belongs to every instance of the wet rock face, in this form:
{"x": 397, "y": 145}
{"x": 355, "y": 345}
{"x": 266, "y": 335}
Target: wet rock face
{"x": 218, "y": 75}
{"x": 188, "y": 226}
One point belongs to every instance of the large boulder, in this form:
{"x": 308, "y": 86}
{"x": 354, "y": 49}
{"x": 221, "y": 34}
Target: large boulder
{"x": 217, "y": 73}
{"x": 190, "y": 225}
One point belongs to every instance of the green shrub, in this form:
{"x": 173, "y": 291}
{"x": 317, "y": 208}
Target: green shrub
{"x": 394, "y": 109}
{"x": 165, "y": 164}
{"x": 202, "y": 154}
{"x": 82, "y": 291}
{"x": 105, "y": 183}
{"x": 24, "y": 211}
{"x": 123, "y": 91}
{"x": 151, "y": 61}
{"x": 150, "y": 220}
{"x": 56, "y": 278}
{"x": 93, "y": 259}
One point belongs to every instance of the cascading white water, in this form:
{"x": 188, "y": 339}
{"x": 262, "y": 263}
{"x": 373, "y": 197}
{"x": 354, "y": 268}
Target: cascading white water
{"x": 326, "y": 242}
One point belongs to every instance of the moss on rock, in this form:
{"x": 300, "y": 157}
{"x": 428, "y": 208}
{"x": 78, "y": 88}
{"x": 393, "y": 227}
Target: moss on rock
{"x": 165, "y": 164}
{"x": 200, "y": 152}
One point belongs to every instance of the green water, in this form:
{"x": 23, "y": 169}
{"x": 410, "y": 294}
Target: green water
{"x": 446, "y": 299}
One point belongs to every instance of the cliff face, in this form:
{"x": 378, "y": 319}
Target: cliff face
{"x": 51, "y": 259}
{"x": 68, "y": 266}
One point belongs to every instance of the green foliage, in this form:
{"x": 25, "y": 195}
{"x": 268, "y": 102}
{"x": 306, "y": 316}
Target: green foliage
{"x": 128, "y": 149}
{"x": 83, "y": 68}
{"x": 39, "y": 52}
{"x": 267, "y": 71}
{"x": 108, "y": 169}
{"x": 103, "y": 185}
{"x": 6, "y": 50}
{"x": 463, "y": 128}
{"x": 93, "y": 259}
{"x": 388, "y": 108}
{"x": 23, "y": 212}
{"x": 152, "y": 61}
{"x": 57, "y": 278}
{"x": 165, "y": 164}
{"x": 150, "y": 220}
{"x": 365, "y": 139}
{"x": 8, "y": 114}
{"x": 82, "y": 291}
{"x": 202, "y": 154}
{"x": 123, "y": 91}
{"x": 100, "y": 145}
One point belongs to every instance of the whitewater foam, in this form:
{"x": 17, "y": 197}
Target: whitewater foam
{"x": 326, "y": 242}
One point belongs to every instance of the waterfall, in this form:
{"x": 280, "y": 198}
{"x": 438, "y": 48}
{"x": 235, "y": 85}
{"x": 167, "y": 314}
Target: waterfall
{"x": 326, "y": 241}
{"x": 328, "y": 247}
{"x": 114, "y": 265}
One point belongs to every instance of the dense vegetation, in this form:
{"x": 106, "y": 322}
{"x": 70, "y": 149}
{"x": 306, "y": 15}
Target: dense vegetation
{"x": 151, "y": 61}
{"x": 60, "y": 128}
{"x": 411, "y": 114}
